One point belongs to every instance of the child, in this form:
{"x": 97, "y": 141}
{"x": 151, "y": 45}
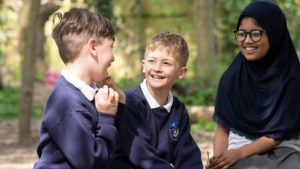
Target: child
{"x": 257, "y": 105}
{"x": 156, "y": 132}
{"x": 78, "y": 128}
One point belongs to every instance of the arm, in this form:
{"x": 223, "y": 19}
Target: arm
{"x": 187, "y": 153}
{"x": 230, "y": 157}
{"x": 220, "y": 140}
{"x": 85, "y": 137}
{"x": 261, "y": 145}
{"x": 83, "y": 144}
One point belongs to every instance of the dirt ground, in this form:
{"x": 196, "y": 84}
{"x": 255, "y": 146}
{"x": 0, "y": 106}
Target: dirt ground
{"x": 13, "y": 156}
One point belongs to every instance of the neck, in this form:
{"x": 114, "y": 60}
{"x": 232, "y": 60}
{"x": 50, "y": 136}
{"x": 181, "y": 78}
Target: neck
{"x": 77, "y": 71}
{"x": 161, "y": 96}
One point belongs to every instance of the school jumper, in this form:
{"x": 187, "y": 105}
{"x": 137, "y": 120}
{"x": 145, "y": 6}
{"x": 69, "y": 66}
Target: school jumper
{"x": 155, "y": 138}
{"x": 73, "y": 134}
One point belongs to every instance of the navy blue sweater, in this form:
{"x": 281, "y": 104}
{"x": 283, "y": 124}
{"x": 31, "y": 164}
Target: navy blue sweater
{"x": 154, "y": 138}
{"x": 73, "y": 134}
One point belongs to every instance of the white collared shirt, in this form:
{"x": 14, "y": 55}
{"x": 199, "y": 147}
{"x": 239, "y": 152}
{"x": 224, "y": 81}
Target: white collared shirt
{"x": 151, "y": 100}
{"x": 88, "y": 91}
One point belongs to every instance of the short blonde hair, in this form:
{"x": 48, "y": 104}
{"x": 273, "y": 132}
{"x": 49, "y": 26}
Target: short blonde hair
{"x": 173, "y": 43}
{"x": 76, "y": 27}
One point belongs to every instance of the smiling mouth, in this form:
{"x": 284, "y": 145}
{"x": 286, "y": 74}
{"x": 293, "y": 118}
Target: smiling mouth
{"x": 157, "y": 77}
{"x": 250, "y": 49}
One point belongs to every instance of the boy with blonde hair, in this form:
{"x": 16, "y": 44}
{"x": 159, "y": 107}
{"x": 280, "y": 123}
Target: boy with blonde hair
{"x": 155, "y": 133}
{"x": 78, "y": 127}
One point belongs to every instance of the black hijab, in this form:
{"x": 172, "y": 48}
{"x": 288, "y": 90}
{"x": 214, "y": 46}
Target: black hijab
{"x": 262, "y": 98}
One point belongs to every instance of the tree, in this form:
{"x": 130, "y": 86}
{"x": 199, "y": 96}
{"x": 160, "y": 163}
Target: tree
{"x": 46, "y": 10}
{"x": 206, "y": 53}
{"x": 29, "y": 19}
{"x": 1, "y": 42}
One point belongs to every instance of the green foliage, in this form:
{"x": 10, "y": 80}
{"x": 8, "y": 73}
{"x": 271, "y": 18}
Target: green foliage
{"x": 202, "y": 124}
{"x": 103, "y": 6}
{"x": 9, "y": 104}
{"x": 197, "y": 90}
{"x": 126, "y": 83}
{"x": 39, "y": 76}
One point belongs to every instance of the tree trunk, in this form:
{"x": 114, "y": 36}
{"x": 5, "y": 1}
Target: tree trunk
{"x": 141, "y": 32}
{"x": 46, "y": 10}
{"x": 206, "y": 55}
{"x": 29, "y": 19}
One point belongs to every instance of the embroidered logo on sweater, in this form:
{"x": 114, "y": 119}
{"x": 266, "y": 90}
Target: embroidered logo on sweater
{"x": 174, "y": 129}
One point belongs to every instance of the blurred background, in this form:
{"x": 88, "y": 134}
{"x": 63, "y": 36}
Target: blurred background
{"x": 30, "y": 63}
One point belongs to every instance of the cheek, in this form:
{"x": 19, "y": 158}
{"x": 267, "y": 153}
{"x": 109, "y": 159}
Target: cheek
{"x": 240, "y": 45}
{"x": 146, "y": 69}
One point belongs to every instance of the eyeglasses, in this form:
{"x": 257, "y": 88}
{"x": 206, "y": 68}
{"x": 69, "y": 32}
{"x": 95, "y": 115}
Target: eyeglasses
{"x": 255, "y": 35}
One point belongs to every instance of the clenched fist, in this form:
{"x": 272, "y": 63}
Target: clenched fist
{"x": 106, "y": 100}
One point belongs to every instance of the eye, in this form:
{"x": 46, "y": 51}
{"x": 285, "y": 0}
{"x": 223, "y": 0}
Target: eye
{"x": 167, "y": 63}
{"x": 240, "y": 33}
{"x": 255, "y": 33}
{"x": 150, "y": 60}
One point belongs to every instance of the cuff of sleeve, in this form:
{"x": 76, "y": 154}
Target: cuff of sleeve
{"x": 106, "y": 119}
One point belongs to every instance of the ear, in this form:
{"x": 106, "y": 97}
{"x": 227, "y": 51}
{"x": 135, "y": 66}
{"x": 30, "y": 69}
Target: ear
{"x": 182, "y": 72}
{"x": 92, "y": 46}
{"x": 143, "y": 64}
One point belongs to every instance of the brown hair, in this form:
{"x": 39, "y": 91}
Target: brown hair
{"x": 174, "y": 44}
{"x": 75, "y": 28}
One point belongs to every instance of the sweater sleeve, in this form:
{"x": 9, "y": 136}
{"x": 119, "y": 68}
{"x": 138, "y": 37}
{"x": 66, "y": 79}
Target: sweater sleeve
{"x": 83, "y": 144}
{"x": 187, "y": 154}
{"x": 136, "y": 138}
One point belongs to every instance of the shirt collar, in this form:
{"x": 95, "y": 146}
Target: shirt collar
{"x": 88, "y": 91}
{"x": 151, "y": 100}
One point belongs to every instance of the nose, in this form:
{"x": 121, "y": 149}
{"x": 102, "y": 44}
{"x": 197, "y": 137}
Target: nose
{"x": 157, "y": 66}
{"x": 248, "y": 38}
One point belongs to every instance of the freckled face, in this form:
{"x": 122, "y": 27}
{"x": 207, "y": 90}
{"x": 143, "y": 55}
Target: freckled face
{"x": 161, "y": 70}
{"x": 253, "y": 51}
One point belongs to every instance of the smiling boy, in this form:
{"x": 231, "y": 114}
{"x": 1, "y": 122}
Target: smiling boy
{"x": 155, "y": 133}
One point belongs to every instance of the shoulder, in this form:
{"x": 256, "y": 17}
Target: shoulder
{"x": 232, "y": 73}
{"x": 134, "y": 95}
{"x": 179, "y": 107}
{"x": 64, "y": 94}
{"x": 136, "y": 102}
{"x": 64, "y": 100}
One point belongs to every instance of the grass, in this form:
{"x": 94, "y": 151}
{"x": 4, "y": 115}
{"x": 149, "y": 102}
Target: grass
{"x": 9, "y": 104}
{"x": 202, "y": 124}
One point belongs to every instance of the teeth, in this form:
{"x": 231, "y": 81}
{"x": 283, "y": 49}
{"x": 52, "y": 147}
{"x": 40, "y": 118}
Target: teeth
{"x": 156, "y": 77}
{"x": 250, "y": 49}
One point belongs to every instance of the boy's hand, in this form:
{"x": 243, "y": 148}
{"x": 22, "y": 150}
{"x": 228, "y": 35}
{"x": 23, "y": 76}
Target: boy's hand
{"x": 110, "y": 83}
{"x": 106, "y": 100}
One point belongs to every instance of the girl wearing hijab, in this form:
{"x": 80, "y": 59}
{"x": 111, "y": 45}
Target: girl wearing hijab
{"x": 257, "y": 105}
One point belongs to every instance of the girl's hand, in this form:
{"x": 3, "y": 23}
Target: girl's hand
{"x": 224, "y": 160}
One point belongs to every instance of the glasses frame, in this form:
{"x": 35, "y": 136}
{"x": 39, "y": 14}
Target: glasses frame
{"x": 248, "y": 33}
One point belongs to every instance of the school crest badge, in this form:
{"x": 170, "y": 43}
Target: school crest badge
{"x": 174, "y": 126}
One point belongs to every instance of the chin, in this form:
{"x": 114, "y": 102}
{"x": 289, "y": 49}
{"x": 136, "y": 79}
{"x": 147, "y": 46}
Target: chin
{"x": 251, "y": 59}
